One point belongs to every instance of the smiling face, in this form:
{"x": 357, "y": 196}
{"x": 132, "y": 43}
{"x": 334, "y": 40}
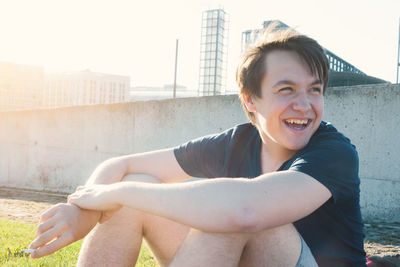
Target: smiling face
{"x": 290, "y": 108}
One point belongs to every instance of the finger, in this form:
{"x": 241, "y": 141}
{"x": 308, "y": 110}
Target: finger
{"x": 49, "y": 212}
{"x": 45, "y": 226}
{"x": 77, "y": 194}
{"x": 72, "y": 197}
{"x": 80, "y": 188}
{"x": 75, "y": 200}
{"x": 46, "y": 237}
{"x": 52, "y": 247}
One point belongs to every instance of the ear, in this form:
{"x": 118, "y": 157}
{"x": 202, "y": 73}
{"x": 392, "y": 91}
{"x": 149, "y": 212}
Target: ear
{"x": 248, "y": 101}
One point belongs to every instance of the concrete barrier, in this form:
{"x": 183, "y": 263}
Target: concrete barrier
{"x": 369, "y": 116}
{"x": 56, "y": 150}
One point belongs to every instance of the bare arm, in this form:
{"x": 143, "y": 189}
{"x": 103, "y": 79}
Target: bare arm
{"x": 218, "y": 205}
{"x": 67, "y": 223}
{"x": 161, "y": 164}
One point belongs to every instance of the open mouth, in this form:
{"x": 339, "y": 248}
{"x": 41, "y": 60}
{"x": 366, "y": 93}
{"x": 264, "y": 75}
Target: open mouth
{"x": 297, "y": 124}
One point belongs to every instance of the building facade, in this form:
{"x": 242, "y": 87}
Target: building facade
{"x": 21, "y": 86}
{"x": 213, "y": 52}
{"x": 84, "y": 88}
{"x": 335, "y": 63}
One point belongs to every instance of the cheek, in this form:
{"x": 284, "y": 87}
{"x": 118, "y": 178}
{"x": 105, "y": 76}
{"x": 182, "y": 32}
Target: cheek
{"x": 317, "y": 104}
{"x": 319, "y": 107}
{"x": 274, "y": 118}
{"x": 269, "y": 113}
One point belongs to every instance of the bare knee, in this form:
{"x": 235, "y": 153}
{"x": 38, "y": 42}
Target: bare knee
{"x": 279, "y": 246}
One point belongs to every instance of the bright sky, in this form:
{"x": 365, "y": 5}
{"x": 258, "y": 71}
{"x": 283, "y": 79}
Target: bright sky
{"x": 137, "y": 38}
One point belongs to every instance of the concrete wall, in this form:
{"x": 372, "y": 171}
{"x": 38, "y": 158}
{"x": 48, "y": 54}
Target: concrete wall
{"x": 369, "y": 116}
{"x": 58, "y": 149}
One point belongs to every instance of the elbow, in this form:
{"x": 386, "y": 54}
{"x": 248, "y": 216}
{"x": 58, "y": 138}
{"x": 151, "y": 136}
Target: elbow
{"x": 115, "y": 162}
{"x": 247, "y": 220}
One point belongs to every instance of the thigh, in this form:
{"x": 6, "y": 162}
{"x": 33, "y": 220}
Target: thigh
{"x": 116, "y": 242}
{"x": 279, "y": 246}
{"x": 210, "y": 249}
{"x": 163, "y": 237}
{"x": 166, "y": 237}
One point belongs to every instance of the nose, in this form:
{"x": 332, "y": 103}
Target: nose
{"x": 301, "y": 103}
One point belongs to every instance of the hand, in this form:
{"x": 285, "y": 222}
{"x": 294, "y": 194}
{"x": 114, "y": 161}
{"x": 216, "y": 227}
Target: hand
{"x": 64, "y": 224}
{"x": 95, "y": 197}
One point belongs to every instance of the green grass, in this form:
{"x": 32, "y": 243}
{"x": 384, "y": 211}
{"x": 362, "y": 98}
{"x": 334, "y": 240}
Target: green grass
{"x": 16, "y": 236}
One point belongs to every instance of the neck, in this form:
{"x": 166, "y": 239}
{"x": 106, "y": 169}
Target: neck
{"x": 273, "y": 155}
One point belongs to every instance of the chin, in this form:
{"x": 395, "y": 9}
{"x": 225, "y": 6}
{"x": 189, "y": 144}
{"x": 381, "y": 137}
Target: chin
{"x": 296, "y": 146}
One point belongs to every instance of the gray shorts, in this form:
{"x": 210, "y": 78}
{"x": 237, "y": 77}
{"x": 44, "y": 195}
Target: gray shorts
{"x": 306, "y": 257}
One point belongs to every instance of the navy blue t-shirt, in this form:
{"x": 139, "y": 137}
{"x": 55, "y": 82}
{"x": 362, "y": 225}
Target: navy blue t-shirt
{"x": 334, "y": 232}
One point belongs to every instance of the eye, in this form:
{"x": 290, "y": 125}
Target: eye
{"x": 316, "y": 89}
{"x": 286, "y": 90}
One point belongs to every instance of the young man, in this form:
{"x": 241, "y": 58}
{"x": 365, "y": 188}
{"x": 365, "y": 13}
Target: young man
{"x": 301, "y": 207}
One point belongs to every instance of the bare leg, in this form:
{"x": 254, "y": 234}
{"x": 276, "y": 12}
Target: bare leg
{"x": 210, "y": 249}
{"x": 117, "y": 242}
{"x": 280, "y": 246}
{"x": 163, "y": 237}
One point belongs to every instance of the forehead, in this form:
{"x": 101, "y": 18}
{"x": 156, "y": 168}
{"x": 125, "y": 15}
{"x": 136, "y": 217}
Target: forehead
{"x": 287, "y": 65}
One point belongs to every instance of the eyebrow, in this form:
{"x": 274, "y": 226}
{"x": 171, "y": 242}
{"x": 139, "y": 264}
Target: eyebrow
{"x": 283, "y": 82}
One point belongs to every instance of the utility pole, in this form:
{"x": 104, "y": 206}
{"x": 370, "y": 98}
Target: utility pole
{"x": 398, "y": 56}
{"x": 176, "y": 66}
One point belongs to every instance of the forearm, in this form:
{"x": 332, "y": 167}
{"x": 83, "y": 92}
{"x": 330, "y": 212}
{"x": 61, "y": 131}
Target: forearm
{"x": 213, "y": 205}
{"x": 229, "y": 205}
{"x": 216, "y": 205}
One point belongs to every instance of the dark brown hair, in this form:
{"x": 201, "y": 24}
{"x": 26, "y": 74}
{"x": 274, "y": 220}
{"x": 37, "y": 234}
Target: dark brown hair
{"x": 252, "y": 67}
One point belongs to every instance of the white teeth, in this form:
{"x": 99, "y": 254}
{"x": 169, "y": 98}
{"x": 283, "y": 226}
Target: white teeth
{"x": 292, "y": 121}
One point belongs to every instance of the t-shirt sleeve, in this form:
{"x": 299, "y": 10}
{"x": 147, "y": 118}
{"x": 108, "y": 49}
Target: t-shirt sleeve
{"x": 203, "y": 157}
{"x": 332, "y": 163}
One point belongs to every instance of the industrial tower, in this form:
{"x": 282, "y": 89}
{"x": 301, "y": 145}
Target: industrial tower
{"x": 213, "y": 52}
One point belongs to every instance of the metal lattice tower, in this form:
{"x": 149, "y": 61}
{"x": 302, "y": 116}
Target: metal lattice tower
{"x": 213, "y": 52}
